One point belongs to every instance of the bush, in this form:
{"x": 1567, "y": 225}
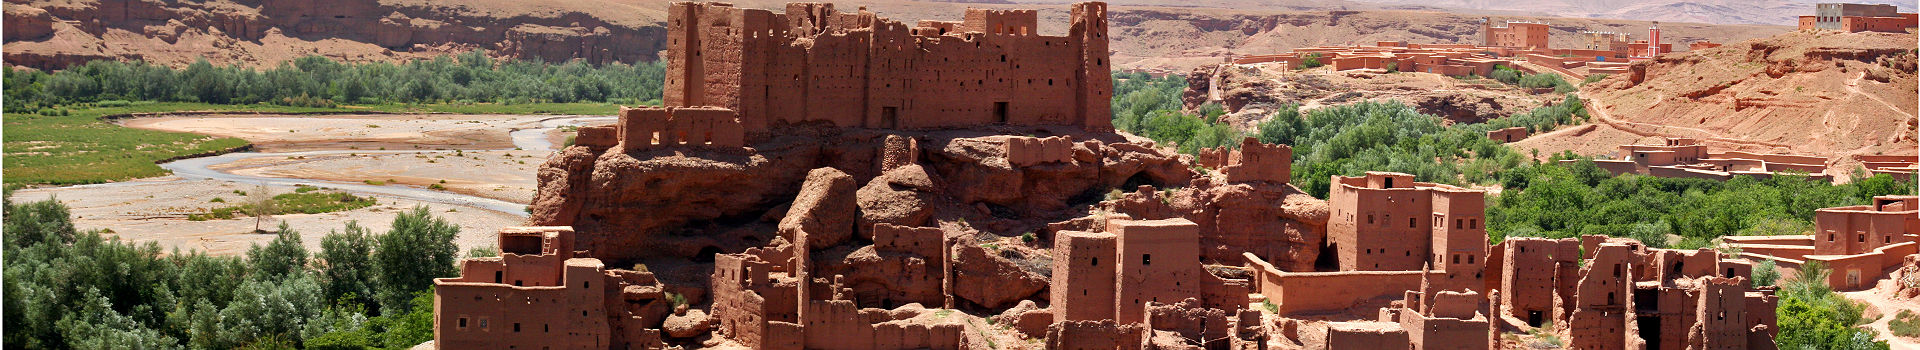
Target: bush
{"x": 1311, "y": 60}
{"x": 1811, "y": 316}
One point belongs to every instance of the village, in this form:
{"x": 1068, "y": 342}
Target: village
{"x": 942, "y": 131}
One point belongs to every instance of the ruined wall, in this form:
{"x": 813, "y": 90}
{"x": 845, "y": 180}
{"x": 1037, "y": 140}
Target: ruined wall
{"x": 1301, "y": 292}
{"x": 839, "y": 324}
{"x": 648, "y": 127}
{"x": 1082, "y": 283}
{"x": 1530, "y": 275}
{"x": 1159, "y": 261}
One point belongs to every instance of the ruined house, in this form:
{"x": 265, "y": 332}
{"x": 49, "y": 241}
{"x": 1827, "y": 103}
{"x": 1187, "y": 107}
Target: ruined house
{"x": 537, "y": 294}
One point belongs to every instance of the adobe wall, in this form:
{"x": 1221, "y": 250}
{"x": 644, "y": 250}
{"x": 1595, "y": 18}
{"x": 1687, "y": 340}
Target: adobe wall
{"x": 536, "y": 295}
{"x": 598, "y": 136}
{"x": 1530, "y": 275}
{"x": 1314, "y": 292}
{"x": 1508, "y": 134}
{"x": 1861, "y": 228}
{"x": 1721, "y": 315}
{"x": 1025, "y": 151}
{"x": 479, "y": 314}
{"x": 1094, "y": 335}
{"x": 1365, "y": 335}
{"x": 647, "y": 127}
{"x": 1862, "y": 270}
{"x": 815, "y": 65}
{"x": 1258, "y": 161}
{"x": 840, "y": 324}
{"x": 1514, "y": 34}
{"x": 1444, "y": 333}
{"x": 1159, "y": 261}
{"x": 1082, "y": 283}
{"x": 1601, "y": 300}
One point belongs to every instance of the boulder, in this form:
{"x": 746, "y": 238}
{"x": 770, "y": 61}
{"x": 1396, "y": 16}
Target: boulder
{"x": 985, "y": 278}
{"x": 691, "y": 324}
{"x": 824, "y": 209}
{"x": 902, "y": 196}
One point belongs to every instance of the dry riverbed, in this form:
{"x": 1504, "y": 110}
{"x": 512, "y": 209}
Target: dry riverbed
{"x": 381, "y": 150}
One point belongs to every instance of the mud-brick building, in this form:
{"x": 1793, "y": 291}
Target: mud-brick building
{"x": 1858, "y": 243}
{"x": 537, "y": 295}
{"x": 1859, "y": 18}
{"x": 1526, "y": 35}
{"x": 812, "y": 64}
{"x": 1387, "y": 222}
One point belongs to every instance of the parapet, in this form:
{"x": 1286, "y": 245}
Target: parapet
{"x": 598, "y": 136}
{"x": 645, "y": 127}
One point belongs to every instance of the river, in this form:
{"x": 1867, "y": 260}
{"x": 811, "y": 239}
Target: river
{"x": 532, "y": 139}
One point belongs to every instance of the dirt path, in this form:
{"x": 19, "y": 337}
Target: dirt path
{"x": 1599, "y": 109}
{"x": 1853, "y": 86}
{"x": 1887, "y": 307}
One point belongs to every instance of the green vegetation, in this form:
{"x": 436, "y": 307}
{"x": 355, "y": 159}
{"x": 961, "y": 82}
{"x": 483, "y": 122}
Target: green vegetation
{"x": 1905, "y": 324}
{"x": 319, "y": 82}
{"x": 1309, "y": 61}
{"x": 301, "y": 202}
{"x": 1512, "y": 76}
{"x": 1345, "y": 140}
{"x": 82, "y": 289}
{"x": 1765, "y": 274}
{"x": 1593, "y": 78}
{"x": 1555, "y": 200}
{"x": 1814, "y": 317}
{"x": 1150, "y": 107}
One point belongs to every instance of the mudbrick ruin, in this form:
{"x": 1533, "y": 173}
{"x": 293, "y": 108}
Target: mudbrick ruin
{"x": 836, "y": 180}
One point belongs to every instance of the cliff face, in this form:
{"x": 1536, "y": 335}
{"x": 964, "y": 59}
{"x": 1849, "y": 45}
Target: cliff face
{"x": 48, "y": 34}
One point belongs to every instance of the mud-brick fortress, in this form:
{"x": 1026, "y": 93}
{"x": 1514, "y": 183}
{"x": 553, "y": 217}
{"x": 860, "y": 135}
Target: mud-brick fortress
{"x": 813, "y": 64}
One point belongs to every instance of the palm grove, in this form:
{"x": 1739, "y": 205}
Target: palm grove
{"x": 71, "y": 288}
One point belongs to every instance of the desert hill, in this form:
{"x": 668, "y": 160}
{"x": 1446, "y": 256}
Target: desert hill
{"x": 1820, "y": 93}
{"x": 1774, "y": 12}
{"x": 51, "y": 34}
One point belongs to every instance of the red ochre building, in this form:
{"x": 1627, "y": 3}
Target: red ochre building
{"x": 538, "y": 295}
{"x": 1858, "y": 244}
{"x": 1859, "y": 18}
{"x": 1689, "y": 158}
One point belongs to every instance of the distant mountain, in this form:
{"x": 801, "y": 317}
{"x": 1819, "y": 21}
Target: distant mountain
{"x": 1776, "y": 12}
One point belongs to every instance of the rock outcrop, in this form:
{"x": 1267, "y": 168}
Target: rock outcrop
{"x": 991, "y": 281}
{"x": 824, "y": 209}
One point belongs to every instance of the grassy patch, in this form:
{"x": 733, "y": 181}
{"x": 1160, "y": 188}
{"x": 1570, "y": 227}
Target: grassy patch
{"x": 1905, "y": 324}
{"x": 75, "y": 147}
{"x": 304, "y": 200}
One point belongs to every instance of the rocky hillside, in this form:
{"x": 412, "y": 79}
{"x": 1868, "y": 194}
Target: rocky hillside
{"x": 1776, "y": 12}
{"x": 1174, "y": 40}
{"x": 51, "y": 34}
{"x": 1822, "y": 93}
{"x": 1251, "y": 93}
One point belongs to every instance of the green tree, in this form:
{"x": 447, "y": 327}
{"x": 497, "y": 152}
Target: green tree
{"x": 281, "y": 257}
{"x": 346, "y": 271}
{"x": 419, "y": 249}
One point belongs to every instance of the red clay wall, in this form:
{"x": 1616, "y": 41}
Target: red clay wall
{"x": 1159, "y": 262}
{"x": 1083, "y": 276}
{"x": 860, "y": 70}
